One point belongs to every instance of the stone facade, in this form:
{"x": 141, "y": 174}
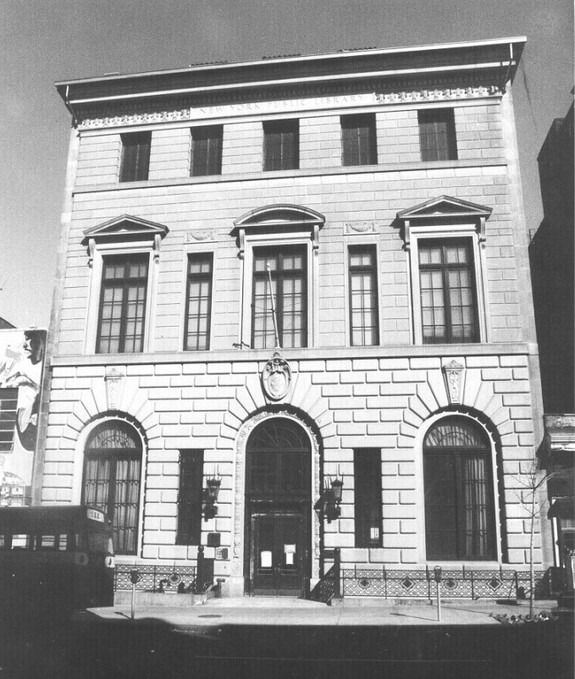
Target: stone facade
{"x": 386, "y": 396}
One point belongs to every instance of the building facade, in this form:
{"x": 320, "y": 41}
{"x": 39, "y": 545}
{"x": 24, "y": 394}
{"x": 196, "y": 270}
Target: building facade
{"x": 294, "y": 315}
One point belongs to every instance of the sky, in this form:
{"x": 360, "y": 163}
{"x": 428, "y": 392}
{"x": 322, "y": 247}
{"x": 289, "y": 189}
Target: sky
{"x": 45, "y": 41}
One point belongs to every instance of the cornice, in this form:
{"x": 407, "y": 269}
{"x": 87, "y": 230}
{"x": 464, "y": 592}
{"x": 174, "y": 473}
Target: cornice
{"x": 280, "y": 100}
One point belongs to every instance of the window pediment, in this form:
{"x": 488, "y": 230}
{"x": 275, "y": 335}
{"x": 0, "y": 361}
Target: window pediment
{"x": 279, "y": 219}
{"x": 278, "y": 215}
{"x": 443, "y": 210}
{"x": 125, "y": 228}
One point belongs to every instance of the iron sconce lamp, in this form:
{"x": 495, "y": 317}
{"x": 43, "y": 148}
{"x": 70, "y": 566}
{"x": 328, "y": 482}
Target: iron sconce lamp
{"x": 210, "y": 497}
{"x": 329, "y": 503}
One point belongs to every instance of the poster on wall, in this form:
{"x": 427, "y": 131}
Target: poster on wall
{"x": 21, "y": 369}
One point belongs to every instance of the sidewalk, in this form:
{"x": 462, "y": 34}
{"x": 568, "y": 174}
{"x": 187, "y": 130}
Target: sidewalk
{"x": 282, "y": 611}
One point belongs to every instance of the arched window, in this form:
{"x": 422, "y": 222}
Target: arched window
{"x": 113, "y": 462}
{"x": 458, "y": 478}
{"x": 278, "y": 459}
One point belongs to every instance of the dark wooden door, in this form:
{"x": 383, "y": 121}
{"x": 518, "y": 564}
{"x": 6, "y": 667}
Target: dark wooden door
{"x": 278, "y": 554}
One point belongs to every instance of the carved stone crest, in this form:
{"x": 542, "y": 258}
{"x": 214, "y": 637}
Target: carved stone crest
{"x": 113, "y": 380}
{"x": 276, "y": 377}
{"x": 454, "y": 374}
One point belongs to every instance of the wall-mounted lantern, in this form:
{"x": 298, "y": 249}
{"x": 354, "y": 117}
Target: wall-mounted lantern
{"x": 328, "y": 503}
{"x": 210, "y": 497}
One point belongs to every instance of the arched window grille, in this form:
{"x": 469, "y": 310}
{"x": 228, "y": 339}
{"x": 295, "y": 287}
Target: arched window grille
{"x": 112, "y": 469}
{"x": 459, "y": 503}
{"x": 278, "y": 459}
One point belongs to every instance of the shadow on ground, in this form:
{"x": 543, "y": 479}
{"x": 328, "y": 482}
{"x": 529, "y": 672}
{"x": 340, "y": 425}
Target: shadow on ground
{"x": 150, "y": 648}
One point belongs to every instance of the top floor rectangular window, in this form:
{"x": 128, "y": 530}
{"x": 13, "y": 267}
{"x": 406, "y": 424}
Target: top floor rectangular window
{"x": 358, "y": 138}
{"x": 437, "y": 134}
{"x": 281, "y": 145}
{"x": 122, "y": 304}
{"x": 135, "y": 156}
{"x": 206, "y": 150}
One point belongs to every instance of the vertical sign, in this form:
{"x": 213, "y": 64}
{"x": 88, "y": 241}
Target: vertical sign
{"x": 21, "y": 368}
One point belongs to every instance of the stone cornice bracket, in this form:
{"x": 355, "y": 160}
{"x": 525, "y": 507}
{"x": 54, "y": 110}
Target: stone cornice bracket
{"x": 315, "y": 239}
{"x": 91, "y": 251}
{"x": 454, "y": 376}
{"x": 113, "y": 380}
{"x": 242, "y": 243}
{"x": 481, "y": 232}
{"x": 157, "y": 242}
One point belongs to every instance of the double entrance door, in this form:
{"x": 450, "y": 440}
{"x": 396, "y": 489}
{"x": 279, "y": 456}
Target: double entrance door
{"x": 279, "y": 555}
{"x": 278, "y": 506}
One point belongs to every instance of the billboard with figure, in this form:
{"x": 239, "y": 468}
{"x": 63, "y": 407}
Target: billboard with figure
{"x": 21, "y": 369}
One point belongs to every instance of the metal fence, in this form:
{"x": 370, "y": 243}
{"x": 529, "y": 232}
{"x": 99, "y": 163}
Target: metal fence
{"x": 455, "y": 584}
{"x": 155, "y": 578}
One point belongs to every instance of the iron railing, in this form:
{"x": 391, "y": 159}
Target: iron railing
{"x": 156, "y": 578}
{"x": 455, "y": 584}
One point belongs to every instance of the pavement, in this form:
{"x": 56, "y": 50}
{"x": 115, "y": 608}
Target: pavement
{"x": 280, "y": 611}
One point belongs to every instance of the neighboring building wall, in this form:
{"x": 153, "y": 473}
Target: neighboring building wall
{"x": 552, "y": 265}
{"x": 552, "y": 256}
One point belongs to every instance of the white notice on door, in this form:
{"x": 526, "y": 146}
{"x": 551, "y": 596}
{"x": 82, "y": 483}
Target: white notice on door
{"x": 266, "y": 559}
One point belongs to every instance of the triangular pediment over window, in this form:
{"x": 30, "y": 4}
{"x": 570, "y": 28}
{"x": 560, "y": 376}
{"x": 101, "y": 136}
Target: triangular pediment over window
{"x": 445, "y": 206}
{"x": 443, "y": 211}
{"x": 126, "y": 227}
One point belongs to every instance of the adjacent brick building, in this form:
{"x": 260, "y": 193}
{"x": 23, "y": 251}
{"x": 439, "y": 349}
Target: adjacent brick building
{"x": 291, "y": 280}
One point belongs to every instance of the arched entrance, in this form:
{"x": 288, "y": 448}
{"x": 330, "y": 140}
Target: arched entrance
{"x": 278, "y": 505}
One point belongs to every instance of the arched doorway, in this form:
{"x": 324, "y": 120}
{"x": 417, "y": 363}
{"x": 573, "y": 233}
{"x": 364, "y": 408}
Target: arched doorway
{"x": 278, "y": 505}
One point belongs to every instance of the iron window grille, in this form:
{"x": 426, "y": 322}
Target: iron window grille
{"x": 279, "y": 455}
{"x": 135, "y": 163}
{"x": 206, "y": 150}
{"x": 364, "y": 321}
{"x": 288, "y": 294}
{"x": 121, "y": 321}
{"x": 367, "y": 482}
{"x": 359, "y": 141}
{"x": 112, "y": 470}
{"x": 437, "y": 136}
{"x": 198, "y": 302}
{"x": 189, "y": 527}
{"x": 459, "y": 504}
{"x": 281, "y": 145}
{"x": 447, "y": 288}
